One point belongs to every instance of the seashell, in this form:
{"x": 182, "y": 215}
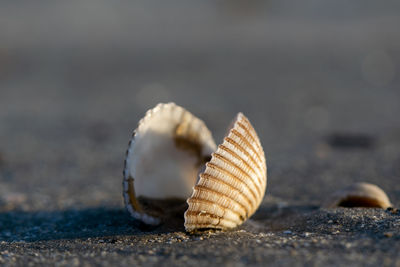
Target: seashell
{"x": 233, "y": 184}
{"x": 167, "y": 152}
{"x": 163, "y": 160}
{"x": 359, "y": 195}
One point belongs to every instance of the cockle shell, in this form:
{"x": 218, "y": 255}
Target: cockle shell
{"x": 163, "y": 158}
{"x": 233, "y": 184}
{"x": 169, "y": 149}
{"x": 359, "y": 195}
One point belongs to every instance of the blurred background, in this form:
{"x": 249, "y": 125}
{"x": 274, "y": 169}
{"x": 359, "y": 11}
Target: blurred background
{"x": 76, "y": 76}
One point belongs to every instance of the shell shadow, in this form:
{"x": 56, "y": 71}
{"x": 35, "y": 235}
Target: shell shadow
{"x": 99, "y": 222}
{"x": 307, "y": 219}
{"x": 275, "y": 218}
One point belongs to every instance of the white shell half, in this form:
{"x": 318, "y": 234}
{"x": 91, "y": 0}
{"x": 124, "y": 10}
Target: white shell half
{"x": 359, "y": 195}
{"x": 233, "y": 184}
{"x": 164, "y": 157}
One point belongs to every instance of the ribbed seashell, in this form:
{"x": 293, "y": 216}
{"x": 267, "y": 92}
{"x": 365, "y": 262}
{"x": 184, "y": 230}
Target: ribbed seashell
{"x": 233, "y": 184}
{"x": 163, "y": 160}
{"x": 165, "y": 155}
{"x": 359, "y": 195}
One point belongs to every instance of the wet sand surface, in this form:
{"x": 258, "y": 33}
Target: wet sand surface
{"x": 319, "y": 82}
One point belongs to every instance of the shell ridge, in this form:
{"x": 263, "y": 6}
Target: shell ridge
{"x": 233, "y": 145}
{"x": 220, "y": 181}
{"x": 242, "y": 172}
{"x": 222, "y": 225}
{"x": 213, "y": 216}
{"x": 210, "y": 215}
{"x": 245, "y": 164}
{"x": 254, "y": 139}
{"x": 250, "y": 146}
{"x": 249, "y": 133}
{"x": 197, "y": 200}
{"x": 249, "y": 129}
{"x": 203, "y": 187}
{"x": 223, "y": 172}
{"x": 207, "y": 214}
{"x": 236, "y": 139}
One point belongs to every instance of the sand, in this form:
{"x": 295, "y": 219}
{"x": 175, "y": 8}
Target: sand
{"x": 319, "y": 82}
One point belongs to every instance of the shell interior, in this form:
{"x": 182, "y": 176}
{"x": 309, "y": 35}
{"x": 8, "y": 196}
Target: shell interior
{"x": 163, "y": 160}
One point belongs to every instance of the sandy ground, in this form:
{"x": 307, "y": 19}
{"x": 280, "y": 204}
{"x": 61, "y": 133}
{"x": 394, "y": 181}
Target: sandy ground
{"x": 75, "y": 78}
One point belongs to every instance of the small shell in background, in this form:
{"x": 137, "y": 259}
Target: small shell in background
{"x": 163, "y": 160}
{"x": 233, "y": 184}
{"x": 359, "y": 195}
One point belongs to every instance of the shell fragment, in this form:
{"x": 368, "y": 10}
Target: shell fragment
{"x": 359, "y": 195}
